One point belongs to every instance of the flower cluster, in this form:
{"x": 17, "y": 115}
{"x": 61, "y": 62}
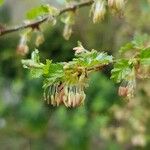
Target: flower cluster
{"x": 23, "y": 48}
{"x": 99, "y": 8}
{"x": 69, "y": 95}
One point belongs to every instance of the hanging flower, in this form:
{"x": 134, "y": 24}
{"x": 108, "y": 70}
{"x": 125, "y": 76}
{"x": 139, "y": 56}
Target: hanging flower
{"x": 116, "y": 5}
{"x": 39, "y": 38}
{"x": 22, "y": 48}
{"x": 98, "y": 10}
{"x": 54, "y": 94}
{"x": 67, "y": 31}
{"x": 68, "y": 19}
{"x": 69, "y": 95}
{"x": 73, "y": 95}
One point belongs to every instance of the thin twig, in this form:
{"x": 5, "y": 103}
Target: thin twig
{"x": 36, "y": 23}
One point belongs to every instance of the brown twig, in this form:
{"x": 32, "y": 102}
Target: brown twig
{"x": 36, "y": 23}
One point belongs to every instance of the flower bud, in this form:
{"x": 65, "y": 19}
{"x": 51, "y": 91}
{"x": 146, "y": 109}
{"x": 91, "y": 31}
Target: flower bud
{"x": 79, "y": 50}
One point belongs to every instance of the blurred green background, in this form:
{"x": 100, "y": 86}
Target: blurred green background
{"x": 105, "y": 122}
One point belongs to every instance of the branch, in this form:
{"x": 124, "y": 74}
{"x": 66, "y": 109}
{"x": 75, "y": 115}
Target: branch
{"x": 36, "y": 24}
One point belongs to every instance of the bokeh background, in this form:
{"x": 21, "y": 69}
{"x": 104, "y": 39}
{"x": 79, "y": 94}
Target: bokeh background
{"x": 105, "y": 122}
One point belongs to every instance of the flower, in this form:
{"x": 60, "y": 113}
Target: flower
{"x": 39, "y": 39}
{"x": 116, "y": 5}
{"x": 98, "y": 10}
{"x": 69, "y": 95}
{"x": 128, "y": 90}
{"x": 74, "y": 95}
{"x": 123, "y": 91}
{"x": 54, "y": 94}
{"x": 22, "y": 48}
{"x": 67, "y": 31}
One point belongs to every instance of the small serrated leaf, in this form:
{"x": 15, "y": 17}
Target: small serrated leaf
{"x": 145, "y": 56}
{"x": 41, "y": 11}
{"x": 36, "y": 73}
{"x": 126, "y": 47}
{"x": 140, "y": 40}
{"x": 121, "y": 71}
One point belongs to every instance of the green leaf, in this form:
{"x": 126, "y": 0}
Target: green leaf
{"x": 126, "y": 47}
{"x": 90, "y": 59}
{"x": 1, "y": 2}
{"x": 53, "y": 72}
{"x": 47, "y": 66}
{"x": 36, "y": 73}
{"x": 35, "y": 56}
{"x": 103, "y": 58}
{"x": 145, "y": 56}
{"x": 140, "y": 40}
{"x": 34, "y": 62}
{"x": 121, "y": 71}
{"x": 41, "y": 11}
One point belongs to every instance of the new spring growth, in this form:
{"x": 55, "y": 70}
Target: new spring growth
{"x": 116, "y": 5}
{"x": 22, "y": 48}
{"x": 98, "y": 10}
{"x": 79, "y": 49}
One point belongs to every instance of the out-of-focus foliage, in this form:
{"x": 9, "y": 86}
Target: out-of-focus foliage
{"x": 105, "y": 121}
{"x": 41, "y": 11}
{"x": 1, "y": 2}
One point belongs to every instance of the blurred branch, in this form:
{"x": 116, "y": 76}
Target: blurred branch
{"x": 36, "y": 24}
